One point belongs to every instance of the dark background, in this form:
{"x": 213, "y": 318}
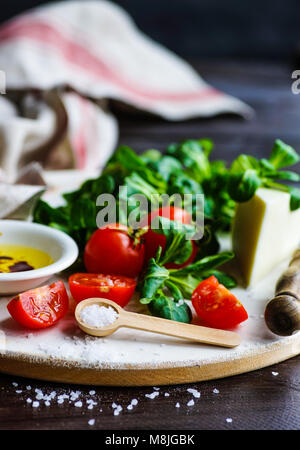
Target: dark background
{"x": 198, "y": 29}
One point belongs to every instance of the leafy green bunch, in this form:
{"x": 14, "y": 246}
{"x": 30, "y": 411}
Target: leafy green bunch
{"x": 184, "y": 168}
{"x": 247, "y": 174}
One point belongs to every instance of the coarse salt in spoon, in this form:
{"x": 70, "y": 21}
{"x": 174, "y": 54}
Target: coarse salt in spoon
{"x": 102, "y": 317}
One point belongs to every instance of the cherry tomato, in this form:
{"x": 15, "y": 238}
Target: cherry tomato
{"x": 41, "y": 307}
{"x": 154, "y": 240}
{"x": 216, "y": 305}
{"x": 117, "y": 288}
{"x": 113, "y": 250}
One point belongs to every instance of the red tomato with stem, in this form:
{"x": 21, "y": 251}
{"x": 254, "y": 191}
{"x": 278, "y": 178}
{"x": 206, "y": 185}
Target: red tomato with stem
{"x": 115, "y": 249}
{"x": 120, "y": 289}
{"x": 41, "y": 307}
{"x": 154, "y": 240}
{"x": 216, "y": 305}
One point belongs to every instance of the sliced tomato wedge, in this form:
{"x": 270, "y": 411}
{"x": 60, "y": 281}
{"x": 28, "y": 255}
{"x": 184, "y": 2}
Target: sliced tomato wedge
{"x": 118, "y": 288}
{"x": 216, "y": 305}
{"x": 41, "y": 307}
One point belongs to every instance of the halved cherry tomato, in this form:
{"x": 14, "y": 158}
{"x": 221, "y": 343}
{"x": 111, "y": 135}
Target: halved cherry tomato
{"x": 154, "y": 240}
{"x": 41, "y": 307}
{"x": 113, "y": 250}
{"x": 114, "y": 287}
{"x": 216, "y": 305}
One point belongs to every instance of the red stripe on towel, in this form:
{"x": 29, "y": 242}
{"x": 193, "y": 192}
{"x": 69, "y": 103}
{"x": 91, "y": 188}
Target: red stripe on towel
{"x": 75, "y": 53}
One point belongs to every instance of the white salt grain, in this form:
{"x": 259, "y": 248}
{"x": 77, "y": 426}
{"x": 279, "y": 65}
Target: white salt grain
{"x": 117, "y": 410}
{"x": 153, "y": 395}
{"x": 130, "y": 406}
{"x": 134, "y": 401}
{"x": 229, "y": 420}
{"x": 98, "y": 316}
{"x": 275, "y": 374}
{"x": 190, "y": 403}
{"x": 177, "y": 405}
{"x": 167, "y": 394}
{"x": 78, "y": 404}
{"x": 216, "y": 391}
{"x": 194, "y": 392}
{"x": 35, "y": 404}
{"x": 15, "y": 384}
{"x": 91, "y": 422}
{"x": 92, "y": 392}
{"x": 29, "y": 400}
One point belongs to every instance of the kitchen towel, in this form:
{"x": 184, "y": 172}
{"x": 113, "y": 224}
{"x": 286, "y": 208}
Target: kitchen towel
{"x": 63, "y": 61}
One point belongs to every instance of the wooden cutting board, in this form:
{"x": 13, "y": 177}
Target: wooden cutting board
{"x": 134, "y": 358}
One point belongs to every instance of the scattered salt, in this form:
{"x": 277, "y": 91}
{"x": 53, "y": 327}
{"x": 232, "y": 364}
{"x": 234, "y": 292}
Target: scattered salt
{"x": 216, "y": 391}
{"x": 98, "y": 316}
{"x": 190, "y": 403}
{"x": 167, "y": 394}
{"x": 78, "y": 404}
{"x": 29, "y": 400}
{"x": 134, "y": 401}
{"x": 177, "y": 405}
{"x": 91, "y": 422}
{"x": 152, "y": 395}
{"x": 18, "y": 391}
{"x": 92, "y": 392}
{"x": 156, "y": 388}
{"x": 15, "y": 384}
{"x": 35, "y": 404}
{"x": 229, "y": 419}
{"x": 194, "y": 392}
{"x": 117, "y": 410}
{"x": 130, "y": 406}
{"x": 275, "y": 374}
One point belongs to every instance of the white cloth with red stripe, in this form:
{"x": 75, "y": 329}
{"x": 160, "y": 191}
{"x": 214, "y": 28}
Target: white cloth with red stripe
{"x": 94, "y": 48}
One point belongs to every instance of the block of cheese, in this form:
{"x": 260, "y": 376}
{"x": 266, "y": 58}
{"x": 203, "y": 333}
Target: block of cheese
{"x": 265, "y": 233}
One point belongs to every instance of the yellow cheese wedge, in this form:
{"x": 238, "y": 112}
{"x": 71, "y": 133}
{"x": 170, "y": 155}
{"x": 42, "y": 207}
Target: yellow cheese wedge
{"x": 265, "y": 232}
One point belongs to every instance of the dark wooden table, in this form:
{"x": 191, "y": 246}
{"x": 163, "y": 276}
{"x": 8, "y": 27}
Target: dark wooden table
{"x": 264, "y": 399}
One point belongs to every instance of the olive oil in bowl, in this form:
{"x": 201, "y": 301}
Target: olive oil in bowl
{"x": 17, "y": 258}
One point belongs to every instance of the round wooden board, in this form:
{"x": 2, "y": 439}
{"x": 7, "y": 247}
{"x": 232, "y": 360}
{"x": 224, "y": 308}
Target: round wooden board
{"x": 134, "y": 358}
{"x": 43, "y": 369}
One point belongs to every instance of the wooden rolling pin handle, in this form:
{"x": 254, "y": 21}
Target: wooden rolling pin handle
{"x": 289, "y": 282}
{"x": 282, "y": 314}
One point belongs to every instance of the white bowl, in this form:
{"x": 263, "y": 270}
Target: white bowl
{"x": 62, "y": 249}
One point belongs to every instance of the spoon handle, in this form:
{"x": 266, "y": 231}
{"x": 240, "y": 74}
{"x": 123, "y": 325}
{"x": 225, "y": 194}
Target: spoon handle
{"x": 181, "y": 330}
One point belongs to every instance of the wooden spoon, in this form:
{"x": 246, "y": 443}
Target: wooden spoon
{"x": 127, "y": 319}
{"x": 282, "y": 314}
